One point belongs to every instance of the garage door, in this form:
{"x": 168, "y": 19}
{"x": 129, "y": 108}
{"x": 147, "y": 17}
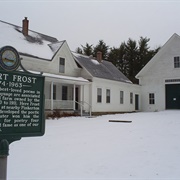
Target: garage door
{"x": 172, "y": 96}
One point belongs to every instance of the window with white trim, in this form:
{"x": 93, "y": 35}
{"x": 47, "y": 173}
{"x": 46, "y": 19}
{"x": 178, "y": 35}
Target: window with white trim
{"x": 61, "y": 65}
{"x": 121, "y": 97}
{"x": 99, "y": 95}
{"x": 108, "y": 94}
{"x": 131, "y": 98}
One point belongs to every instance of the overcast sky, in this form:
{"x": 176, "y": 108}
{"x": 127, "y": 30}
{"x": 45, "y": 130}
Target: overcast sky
{"x": 88, "y": 21}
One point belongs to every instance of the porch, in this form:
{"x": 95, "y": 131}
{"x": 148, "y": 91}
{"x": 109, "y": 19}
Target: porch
{"x": 82, "y": 108}
{"x": 66, "y": 94}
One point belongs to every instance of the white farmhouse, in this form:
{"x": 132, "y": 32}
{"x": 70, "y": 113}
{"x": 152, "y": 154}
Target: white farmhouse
{"x": 73, "y": 82}
{"x": 160, "y": 78}
{"x": 109, "y": 90}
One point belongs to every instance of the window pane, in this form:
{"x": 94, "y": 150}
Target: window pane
{"x": 176, "y": 62}
{"x": 121, "y": 97}
{"x": 61, "y": 65}
{"x": 131, "y": 98}
{"x": 62, "y": 61}
{"x": 99, "y": 95}
{"x": 107, "y": 95}
{"x": 64, "y": 92}
{"x": 54, "y": 91}
{"x": 151, "y": 98}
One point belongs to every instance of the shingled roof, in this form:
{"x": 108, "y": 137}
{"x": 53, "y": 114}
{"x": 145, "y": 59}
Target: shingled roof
{"x": 103, "y": 69}
{"x": 34, "y": 44}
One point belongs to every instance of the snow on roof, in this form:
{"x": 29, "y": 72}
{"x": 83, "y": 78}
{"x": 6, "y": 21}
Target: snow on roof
{"x": 35, "y": 44}
{"x": 65, "y": 77}
{"x": 95, "y": 61}
{"x": 80, "y": 79}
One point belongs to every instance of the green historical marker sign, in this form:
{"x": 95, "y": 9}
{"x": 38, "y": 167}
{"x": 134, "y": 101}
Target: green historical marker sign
{"x": 21, "y": 99}
{"x": 21, "y": 104}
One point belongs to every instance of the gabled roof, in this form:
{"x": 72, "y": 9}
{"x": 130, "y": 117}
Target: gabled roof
{"x": 104, "y": 69}
{"x": 157, "y": 55}
{"x": 35, "y": 44}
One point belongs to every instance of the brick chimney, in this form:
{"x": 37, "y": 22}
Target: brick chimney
{"x": 99, "y": 56}
{"x": 25, "y": 26}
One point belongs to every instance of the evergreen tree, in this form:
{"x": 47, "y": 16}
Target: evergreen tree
{"x": 131, "y": 57}
{"x": 143, "y": 54}
{"x": 117, "y": 57}
{"x": 79, "y": 50}
{"x": 102, "y": 47}
{"x": 88, "y": 49}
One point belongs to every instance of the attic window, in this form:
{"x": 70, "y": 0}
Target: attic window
{"x": 176, "y": 62}
{"x": 61, "y": 65}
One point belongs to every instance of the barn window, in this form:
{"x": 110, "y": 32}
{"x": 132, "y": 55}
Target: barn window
{"x": 151, "y": 98}
{"x": 176, "y": 62}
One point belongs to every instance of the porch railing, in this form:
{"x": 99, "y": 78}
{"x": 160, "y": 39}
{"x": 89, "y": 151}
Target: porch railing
{"x": 83, "y": 105}
{"x": 68, "y": 105}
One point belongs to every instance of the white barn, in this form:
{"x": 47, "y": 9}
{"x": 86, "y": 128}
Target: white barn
{"x": 160, "y": 78}
{"x": 72, "y": 81}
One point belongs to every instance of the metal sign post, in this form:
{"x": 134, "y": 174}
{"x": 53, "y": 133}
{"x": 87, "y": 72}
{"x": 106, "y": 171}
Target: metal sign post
{"x": 4, "y": 152}
{"x": 21, "y": 104}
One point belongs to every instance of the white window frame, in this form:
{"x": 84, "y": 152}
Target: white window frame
{"x": 62, "y": 65}
{"x": 99, "y": 95}
{"x": 121, "y": 97}
{"x": 108, "y": 96}
{"x": 131, "y": 98}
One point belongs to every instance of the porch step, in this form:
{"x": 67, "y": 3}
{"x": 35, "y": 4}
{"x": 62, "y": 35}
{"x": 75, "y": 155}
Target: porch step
{"x": 84, "y": 113}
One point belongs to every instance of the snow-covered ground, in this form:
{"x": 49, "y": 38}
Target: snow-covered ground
{"x": 79, "y": 148}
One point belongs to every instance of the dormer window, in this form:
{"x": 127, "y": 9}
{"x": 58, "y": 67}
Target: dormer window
{"x": 61, "y": 65}
{"x": 177, "y": 62}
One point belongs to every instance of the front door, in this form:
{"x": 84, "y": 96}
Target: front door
{"x": 136, "y": 102}
{"x": 172, "y": 96}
